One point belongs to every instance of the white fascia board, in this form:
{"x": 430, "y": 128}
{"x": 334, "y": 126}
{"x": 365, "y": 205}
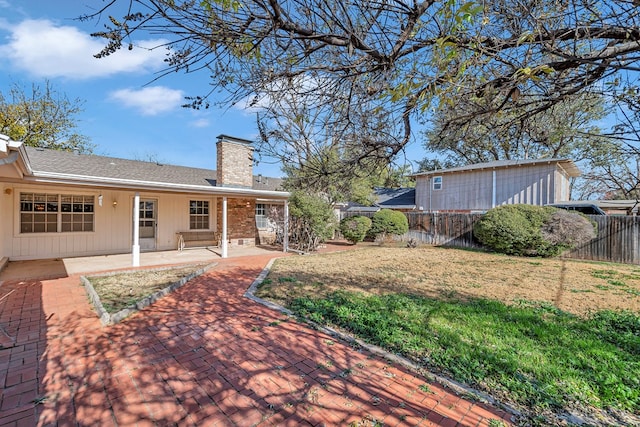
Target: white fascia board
{"x": 397, "y": 206}
{"x": 67, "y": 179}
{"x": 265, "y": 200}
{"x": 7, "y": 144}
{"x": 4, "y": 150}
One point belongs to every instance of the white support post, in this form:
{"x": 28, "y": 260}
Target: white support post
{"x": 285, "y": 238}
{"x": 224, "y": 228}
{"x": 135, "y": 249}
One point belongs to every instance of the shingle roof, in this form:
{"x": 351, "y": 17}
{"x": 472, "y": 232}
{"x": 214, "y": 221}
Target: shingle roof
{"x": 267, "y": 183}
{"x": 396, "y": 197}
{"x": 568, "y": 165}
{"x": 91, "y": 165}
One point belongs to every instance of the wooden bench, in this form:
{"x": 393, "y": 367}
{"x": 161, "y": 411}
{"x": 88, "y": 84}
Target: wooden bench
{"x": 197, "y": 239}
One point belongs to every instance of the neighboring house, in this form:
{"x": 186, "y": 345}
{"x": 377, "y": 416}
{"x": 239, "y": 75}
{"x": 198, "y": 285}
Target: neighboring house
{"x": 480, "y": 187}
{"x": 401, "y": 199}
{"x": 604, "y": 207}
{"x": 619, "y": 207}
{"x": 61, "y": 204}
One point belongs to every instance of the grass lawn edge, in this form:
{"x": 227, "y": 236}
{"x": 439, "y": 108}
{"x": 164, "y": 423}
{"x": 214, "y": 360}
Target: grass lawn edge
{"x": 458, "y": 388}
{"x": 110, "y": 319}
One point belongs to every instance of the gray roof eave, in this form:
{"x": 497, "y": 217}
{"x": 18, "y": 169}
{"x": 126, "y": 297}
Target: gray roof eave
{"x": 397, "y": 206}
{"x": 102, "y": 182}
{"x": 567, "y": 164}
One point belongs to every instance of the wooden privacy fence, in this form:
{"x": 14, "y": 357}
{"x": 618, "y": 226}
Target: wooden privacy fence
{"x": 443, "y": 229}
{"x": 617, "y": 239}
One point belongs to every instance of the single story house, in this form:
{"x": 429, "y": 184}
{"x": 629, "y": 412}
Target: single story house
{"x": 618, "y": 207}
{"x": 606, "y": 207}
{"x": 482, "y": 186}
{"x": 61, "y": 204}
{"x": 402, "y": 199}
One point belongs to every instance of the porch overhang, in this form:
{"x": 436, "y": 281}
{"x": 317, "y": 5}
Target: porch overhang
{"x": 166, "y": 187}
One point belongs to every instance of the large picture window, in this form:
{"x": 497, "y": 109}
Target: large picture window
{"x": 199, "y": 215}
{"x": 55, "y": 213}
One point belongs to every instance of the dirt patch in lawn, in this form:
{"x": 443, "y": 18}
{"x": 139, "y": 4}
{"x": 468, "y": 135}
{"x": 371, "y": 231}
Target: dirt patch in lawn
{"x": 122, "y": 290}
{"x": 578, "y": 287}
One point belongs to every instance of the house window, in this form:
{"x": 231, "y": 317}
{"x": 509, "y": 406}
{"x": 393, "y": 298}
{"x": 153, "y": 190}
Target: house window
{"x": 261, "y": 216}
{"x": 199, "y": 215}
{"x": 437, "y": 183}
{"x": 54, "y": 213}
{"x": 76, "y": 213}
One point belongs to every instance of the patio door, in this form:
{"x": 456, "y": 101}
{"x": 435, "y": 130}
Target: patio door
{"x": 147, "y": 225}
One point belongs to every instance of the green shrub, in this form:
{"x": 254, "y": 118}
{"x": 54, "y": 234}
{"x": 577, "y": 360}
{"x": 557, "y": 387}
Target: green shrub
{"x": 312, "y": 221}
{"x": 387, "y": 221}
{"x": 532, "y": 230}
{"x": 355, "y": 228}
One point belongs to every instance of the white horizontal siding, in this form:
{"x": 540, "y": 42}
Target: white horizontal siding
{"x": 112, "y": 225}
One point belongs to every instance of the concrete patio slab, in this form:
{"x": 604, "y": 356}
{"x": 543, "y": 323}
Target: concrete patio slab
{"x": 202, "y": 356}
{"x": 63, "y": 267}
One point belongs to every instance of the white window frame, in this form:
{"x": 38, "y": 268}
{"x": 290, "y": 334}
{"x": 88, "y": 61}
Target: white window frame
{"x": 202, "y": 211}
{"x": 50, "y": 213}
{"x": 437, "y": 183}
{"x": 262, "y": 219}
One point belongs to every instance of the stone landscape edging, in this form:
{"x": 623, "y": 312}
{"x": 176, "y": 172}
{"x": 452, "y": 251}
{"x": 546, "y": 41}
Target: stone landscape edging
{"x": 457, "y": 387}
{"x": 110, "y": 319}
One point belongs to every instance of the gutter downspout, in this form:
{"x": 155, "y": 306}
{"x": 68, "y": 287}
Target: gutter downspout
{"x": 430, "y": 189}
{"x": 493, "y": 189}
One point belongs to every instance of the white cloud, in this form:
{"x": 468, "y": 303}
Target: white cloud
{"x": 282, "y": 93}
{"x": 200, "y": 123}
{"x": 44, "y": 49}
{"x": 150, "y": 101}
{"x": 252, "y": 104}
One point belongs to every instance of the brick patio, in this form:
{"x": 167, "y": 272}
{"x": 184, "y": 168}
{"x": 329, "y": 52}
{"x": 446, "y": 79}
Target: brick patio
{"x": 202, "y": 356}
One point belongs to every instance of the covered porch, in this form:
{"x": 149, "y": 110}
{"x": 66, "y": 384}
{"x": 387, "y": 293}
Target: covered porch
{"x": 64, "y": 267}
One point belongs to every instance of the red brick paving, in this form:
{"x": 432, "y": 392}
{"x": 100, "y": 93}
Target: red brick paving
{"x": 202, "y": 356}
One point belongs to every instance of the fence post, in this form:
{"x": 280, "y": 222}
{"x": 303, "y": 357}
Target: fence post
{"x": 635, "y": 250}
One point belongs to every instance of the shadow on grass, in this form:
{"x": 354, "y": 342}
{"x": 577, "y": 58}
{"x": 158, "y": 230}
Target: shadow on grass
{"x": 532, "y": 354}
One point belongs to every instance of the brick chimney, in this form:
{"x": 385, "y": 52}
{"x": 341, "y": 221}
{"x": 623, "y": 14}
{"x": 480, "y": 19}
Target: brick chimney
{"x": 234, "y": 162}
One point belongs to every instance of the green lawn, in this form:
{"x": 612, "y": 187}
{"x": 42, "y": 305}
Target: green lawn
{"x": 534, "y": 355}
{"x": 527, "y": 353}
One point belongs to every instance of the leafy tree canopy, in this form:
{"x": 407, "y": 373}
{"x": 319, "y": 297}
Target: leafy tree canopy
{"x": 355, "y": 60}
{"x": 565, "y": 129}
{"x": 42, "y": 117}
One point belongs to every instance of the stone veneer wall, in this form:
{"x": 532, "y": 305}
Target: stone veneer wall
{"x": 241, "y": 221}
{"x": 234, "y": 163}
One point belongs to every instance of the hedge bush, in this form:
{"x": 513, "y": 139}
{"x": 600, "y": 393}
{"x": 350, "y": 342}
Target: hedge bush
{"x": 387, "y": 221}
{"x": 355, "y": 228}
{"x": 532, "y": 230}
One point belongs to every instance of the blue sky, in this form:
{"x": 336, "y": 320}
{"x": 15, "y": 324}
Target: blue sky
{"x": 126, "y": 112}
